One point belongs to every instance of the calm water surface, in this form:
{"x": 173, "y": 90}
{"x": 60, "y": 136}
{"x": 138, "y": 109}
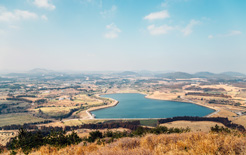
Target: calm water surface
{"x": 137, "y": 106}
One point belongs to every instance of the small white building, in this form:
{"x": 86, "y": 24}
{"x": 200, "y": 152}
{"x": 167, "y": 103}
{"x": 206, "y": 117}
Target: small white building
{"x": 61, "y": 98}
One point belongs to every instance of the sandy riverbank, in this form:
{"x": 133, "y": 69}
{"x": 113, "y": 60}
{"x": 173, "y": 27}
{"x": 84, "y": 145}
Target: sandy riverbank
{"x": 114, "y": 103}
{"x": 170, "y": 98}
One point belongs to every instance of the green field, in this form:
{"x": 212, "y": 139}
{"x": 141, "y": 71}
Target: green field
{"x": 9, "y": 119}
{"x": 56, "y": 111}
{"x": 144, "y": 122}
{"x": 8, "y": 102}
{"x": 149, "y": 122}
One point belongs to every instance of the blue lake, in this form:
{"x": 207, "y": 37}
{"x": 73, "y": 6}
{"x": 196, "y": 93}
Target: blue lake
{"x": 137, "y": 106}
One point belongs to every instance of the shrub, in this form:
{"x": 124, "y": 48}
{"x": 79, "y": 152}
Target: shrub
{"x": 217, "y": 128}
{"x": 1, "y": 149}
{"x": 94, "y": 135}
{"x": 27, "y": 140}
{"x": 238, "y": 104}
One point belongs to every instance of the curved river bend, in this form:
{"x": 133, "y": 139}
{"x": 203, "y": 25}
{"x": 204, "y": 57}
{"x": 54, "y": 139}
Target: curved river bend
{"x": 137, "y": 106}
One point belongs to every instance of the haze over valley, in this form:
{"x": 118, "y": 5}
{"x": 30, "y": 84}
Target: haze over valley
{"x": 88, "y": 77}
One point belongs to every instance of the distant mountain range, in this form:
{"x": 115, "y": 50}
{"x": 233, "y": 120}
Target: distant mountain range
{"x": 203, "y": 74}
{"x": 183, "y": 75}
{"x": 169, "y": 75}
{"x": 40, "y": 71}
{"x": 34, "y": 72}
{"x": 176, "y": 75}
{"x": 128, "y": 73}
{"x": 234, "y": 74}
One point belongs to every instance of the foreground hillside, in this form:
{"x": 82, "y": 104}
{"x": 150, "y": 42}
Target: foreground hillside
{"x": 184, "y": 143}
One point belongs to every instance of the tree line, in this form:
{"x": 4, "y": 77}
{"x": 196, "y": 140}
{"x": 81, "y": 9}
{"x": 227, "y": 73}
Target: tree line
{"x": 132, "y": 125}
{"x": 24, "y": 126}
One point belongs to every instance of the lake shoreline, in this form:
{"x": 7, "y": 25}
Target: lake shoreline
{"x": 189, "y": 101}
{"x": 115, "y": 102}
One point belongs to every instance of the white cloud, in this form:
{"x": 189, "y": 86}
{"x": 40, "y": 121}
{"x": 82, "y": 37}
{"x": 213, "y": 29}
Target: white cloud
{"x": 92, "y": 2}
{"x": 25, "y": 14}
{"x": 229, "y": 34}
{"x": 113, "y": 31}
{"x": 189, "y": 28}
{"x": 109, "y": 13}
{"x": 164, "y": 4}
{"x": 233, "y": 33}
{"x": 44, "y": 17}
{"x": 210, "y": 37}
{"x": 164, "y": 29}
{"x": 44, "y": 4}
{"x": 7, "y": 16}
{"x": 2, "y": 31}
{"x": 14, "y": 27}
{"x": 157, "y": 15}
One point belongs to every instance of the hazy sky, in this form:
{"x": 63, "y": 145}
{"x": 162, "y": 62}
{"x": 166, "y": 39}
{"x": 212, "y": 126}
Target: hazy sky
{"x": 181, "y": 35}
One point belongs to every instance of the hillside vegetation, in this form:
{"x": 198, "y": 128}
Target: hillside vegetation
{"x": 185, "y": 143}
{"x": 144, "y": 141}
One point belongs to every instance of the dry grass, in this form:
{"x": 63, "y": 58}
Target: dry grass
{"x": 83, "y": 115}
{"x": 164, "y": 96}
{"x": 242, "y": 94}
{"x": 228, "y": 88}
{"x": 186, "y": 143}
{"x": 224, "y": 113}
{"x": 5, "y": 136}
{"x": 53, "y": 124}
{"x": 81, "y": 122}
{"x": 203, "y": 126}
{"x": 31, "y": 98}
{"x": 72, "y": 122}
{"x": 240, "y": 120}
{"x": 235, "y": 92}
{"x": 87, "y": 99}
{"x": 121, "y": 90}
